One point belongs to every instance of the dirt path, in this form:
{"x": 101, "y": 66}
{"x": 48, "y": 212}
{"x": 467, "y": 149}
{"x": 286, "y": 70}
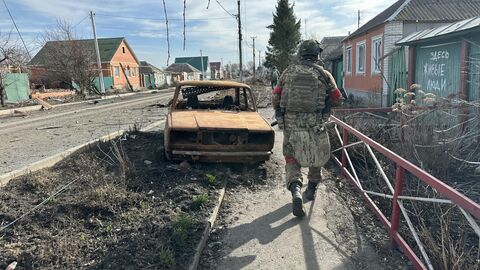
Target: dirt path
{"x": 258, "y": 231}
{"x": 26, "y": 140}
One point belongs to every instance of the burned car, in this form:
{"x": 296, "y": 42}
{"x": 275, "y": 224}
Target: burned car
{"x": 216, "y": 121}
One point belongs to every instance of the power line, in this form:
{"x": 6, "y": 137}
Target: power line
{"x": 228, "y": 12}
{"x": 162, "y": 19}
{"x": 75, "y": 25}
{"x": 40, "y": 204}
{"x": 18, "y": 31}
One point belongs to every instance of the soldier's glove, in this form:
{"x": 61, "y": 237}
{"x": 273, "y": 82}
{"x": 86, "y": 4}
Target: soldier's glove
{"x": 319, "y": 129}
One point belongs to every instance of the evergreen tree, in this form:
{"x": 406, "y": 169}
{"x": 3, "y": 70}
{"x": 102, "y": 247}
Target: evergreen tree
{"x": 284, "y": 38}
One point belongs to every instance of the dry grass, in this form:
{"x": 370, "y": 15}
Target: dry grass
{"x": 442, "y": 139}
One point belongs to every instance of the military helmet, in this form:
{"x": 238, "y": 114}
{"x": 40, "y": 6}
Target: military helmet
{"x": 309, "y": 48}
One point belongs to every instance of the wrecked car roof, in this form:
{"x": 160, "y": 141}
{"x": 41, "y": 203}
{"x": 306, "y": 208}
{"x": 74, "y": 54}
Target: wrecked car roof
{"x": 214, "y": 119}
{"x": 231, "y": 84}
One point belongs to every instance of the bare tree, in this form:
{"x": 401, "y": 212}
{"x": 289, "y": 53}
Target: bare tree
{"x": 68, "y": 59}
{"x": 11, "y": 54}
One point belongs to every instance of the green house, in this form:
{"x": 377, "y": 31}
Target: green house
{"x": 198, "y": 62}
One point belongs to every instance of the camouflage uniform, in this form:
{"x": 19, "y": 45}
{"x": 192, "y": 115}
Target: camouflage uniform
{"x": 302, "y": 98}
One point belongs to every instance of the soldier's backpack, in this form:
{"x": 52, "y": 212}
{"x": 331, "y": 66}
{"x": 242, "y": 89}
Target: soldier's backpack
{"x": 305, "y": 88}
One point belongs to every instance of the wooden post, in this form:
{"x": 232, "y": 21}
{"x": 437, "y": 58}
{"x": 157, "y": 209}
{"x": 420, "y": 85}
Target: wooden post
{"x": 126, "y": 77}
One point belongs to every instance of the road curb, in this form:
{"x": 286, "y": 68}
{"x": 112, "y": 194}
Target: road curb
{"x": 206, "y": 233}
{"x": 52, "y": 160}
{"x": 39, "y": 107}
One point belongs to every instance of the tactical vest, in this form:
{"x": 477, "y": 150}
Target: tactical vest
{"x": 304, "y": 89}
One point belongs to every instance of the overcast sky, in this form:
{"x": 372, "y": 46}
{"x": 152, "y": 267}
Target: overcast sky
{"x": 212, "y": 30}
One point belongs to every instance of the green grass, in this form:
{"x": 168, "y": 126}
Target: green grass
{"x": 183, "y": 227}
{"x": 211, "y": 179}
{"x": 167, "y": 258}
{"x": 200, "y": 200}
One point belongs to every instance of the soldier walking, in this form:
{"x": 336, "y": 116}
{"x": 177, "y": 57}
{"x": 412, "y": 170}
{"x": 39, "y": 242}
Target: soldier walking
{"x": 301, "y": 100}
{"x": 274, "y": 77}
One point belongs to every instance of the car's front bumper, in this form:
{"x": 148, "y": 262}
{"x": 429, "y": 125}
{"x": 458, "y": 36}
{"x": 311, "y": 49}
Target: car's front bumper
{"x": 221, "y": 156}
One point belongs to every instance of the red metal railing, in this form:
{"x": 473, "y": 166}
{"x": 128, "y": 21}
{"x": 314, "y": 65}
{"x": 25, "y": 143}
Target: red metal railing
{"x": 402, "y": 165}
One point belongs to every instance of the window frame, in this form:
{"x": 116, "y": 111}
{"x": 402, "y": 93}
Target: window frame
{"x": 373, "y": 68}
{"x": 116, "y": 71}
{"x": 349, "y": 60}
{"x": 357, "y": 57}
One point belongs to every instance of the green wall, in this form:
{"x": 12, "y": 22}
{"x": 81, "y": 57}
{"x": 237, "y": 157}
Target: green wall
{"x": 438, "y": 68}
{"x": 108, "y": 81}
{"x": 16, "y": 86}
{"x": 474, "y": 74}
{"x": 398, "y": 74}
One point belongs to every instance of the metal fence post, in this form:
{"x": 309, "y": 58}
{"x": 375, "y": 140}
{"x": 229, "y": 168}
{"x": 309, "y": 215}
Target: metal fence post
{"x": 399, "y": 176}
{"x": 344, "y": 152}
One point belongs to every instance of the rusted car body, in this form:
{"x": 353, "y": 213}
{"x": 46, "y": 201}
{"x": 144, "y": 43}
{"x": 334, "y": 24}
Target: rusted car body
{"x": 216, "y": 121}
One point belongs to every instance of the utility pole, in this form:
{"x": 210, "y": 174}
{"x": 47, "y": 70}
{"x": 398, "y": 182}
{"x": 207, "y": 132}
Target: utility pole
{"x": 240, "y": 40}
{"x": 203, "y": 70}
{"x": 253, "y": 46}
{"x": 305, "y": 28}
{"x": 99, "y": 61}
{"x": 222, "y": 73}
{"x": 259, "y": 58}
{"x": 358, "y": 18}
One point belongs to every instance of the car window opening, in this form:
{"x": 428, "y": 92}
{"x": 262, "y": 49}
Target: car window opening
{"x": 201, "y": 98}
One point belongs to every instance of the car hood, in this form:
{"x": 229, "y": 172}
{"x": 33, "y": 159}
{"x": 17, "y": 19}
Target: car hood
{"x": 219, "y": 120}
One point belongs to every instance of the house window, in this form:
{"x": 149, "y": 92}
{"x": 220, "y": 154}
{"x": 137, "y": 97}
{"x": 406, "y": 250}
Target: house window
{"x": 376, "y": 54}
{"x": 127, "y": 71}
{"x": 361, "y": 57}
{"x": 348, "y": 60}
{"x": 134, "y": 72}
{"x": 116, "y": 71}
{"x": 123, "y": 49}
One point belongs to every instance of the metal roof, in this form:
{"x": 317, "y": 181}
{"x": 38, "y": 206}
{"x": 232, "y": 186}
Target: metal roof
{"x": 196, "y": 61}
{"x": 468, "y": 25}
{"x": 439, "y": 10}
{"x": 332, "y": 47}
{"x": 423, "y": 11}
{"x": 379, "y": 19}
{"x": 106, "y": 46}
{"x": 147, "y": 68}
{"x": 181, "y": 67}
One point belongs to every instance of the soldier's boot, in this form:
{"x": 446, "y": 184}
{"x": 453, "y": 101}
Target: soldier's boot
{"x": 311, "y": 190}
{"x": 297, "y": 200}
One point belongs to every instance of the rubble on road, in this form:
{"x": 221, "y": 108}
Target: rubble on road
{"x": 49, "y": 127}
{"x": 45, "y": 105}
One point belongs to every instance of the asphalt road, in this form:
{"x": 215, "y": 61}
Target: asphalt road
{"x": 44, "y": 133}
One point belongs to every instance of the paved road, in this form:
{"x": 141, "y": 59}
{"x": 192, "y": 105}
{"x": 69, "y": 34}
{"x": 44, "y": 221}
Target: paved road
{"x": 24, "y": 140}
